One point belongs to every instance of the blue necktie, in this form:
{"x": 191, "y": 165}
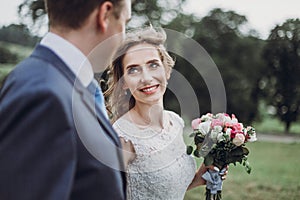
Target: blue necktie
{"x": 95, "y": 89}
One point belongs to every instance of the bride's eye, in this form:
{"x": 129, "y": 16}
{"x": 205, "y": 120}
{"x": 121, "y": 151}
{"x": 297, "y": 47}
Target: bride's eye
{"x": 133, "y": 70}
{"x": 154, "y": 65}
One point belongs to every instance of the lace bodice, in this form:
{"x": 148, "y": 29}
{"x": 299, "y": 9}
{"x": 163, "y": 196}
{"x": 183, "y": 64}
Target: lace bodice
{"x": 161, "y": 169}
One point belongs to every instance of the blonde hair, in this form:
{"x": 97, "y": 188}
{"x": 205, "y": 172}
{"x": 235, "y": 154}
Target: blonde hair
{"x": 118, "y": 102}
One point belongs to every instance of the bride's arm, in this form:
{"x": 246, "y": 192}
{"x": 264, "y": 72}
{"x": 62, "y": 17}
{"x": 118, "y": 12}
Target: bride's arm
{"x": 128, "y": 151}
{"x": 198, "y": 180}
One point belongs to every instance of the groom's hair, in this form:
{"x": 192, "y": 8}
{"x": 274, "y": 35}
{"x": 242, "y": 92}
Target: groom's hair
{"x": 73, "y": 13}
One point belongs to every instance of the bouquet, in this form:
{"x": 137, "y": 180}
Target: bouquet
{"x": 220, "y": 139}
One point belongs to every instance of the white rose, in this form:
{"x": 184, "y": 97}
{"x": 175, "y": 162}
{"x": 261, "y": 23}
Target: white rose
{"x": 239, "y": 139}
{"x": 220, "y": 137}
{"x": 218, "y": 129}
{"x": 227, "y": 119}
{"x": 204, "y": 127}
{"x": 228, "y": 132}
{"x": 214, "y": 135}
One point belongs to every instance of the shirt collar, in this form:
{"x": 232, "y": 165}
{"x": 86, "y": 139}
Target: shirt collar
{"x": 71, "y": 55}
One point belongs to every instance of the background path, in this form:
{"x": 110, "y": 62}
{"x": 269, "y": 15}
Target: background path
{"x": 278, "y": 138}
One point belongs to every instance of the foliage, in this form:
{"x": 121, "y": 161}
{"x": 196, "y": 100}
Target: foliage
{"x": 18, "y": 34}
{"x": 6, "y": 56}
{"x": 18, "y": 53}
{"x": 33, "y": 13}
{"x": 34, "y": 9}
{"x": 237, "y": 57}
{"x": 281, "y": 80}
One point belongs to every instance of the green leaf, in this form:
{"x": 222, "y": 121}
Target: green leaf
{"x": 208, "y": 159}
{"x": 196, "y": 153}
{"x": 198, "y": 139}
{"x": 192, "y": 134}
{"x": 189, "y": 150}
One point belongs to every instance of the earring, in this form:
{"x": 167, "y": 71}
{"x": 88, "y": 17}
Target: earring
{"x": 125, "y": 92}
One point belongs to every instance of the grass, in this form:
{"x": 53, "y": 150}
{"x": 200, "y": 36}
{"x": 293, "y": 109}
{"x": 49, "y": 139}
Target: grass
{"x": 21, "y": 51}
{"x": 4, "y": 70}
{"x": 275, "y": 175}
{"x": 273, "y": 125}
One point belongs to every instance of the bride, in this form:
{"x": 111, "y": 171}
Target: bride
{"x": 156, "y": 162}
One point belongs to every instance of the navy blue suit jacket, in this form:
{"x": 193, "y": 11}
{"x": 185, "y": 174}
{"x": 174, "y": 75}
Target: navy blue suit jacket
{"x": 53, "y": 145}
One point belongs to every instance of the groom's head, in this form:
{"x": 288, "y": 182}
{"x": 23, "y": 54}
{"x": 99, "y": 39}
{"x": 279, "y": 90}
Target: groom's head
{"x": 74, "y": 13}
{"x": 87, "y": 23}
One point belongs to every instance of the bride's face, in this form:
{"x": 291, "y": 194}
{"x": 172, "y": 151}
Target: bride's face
{"x": 144, "y": 74}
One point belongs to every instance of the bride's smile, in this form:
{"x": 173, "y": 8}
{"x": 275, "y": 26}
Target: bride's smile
{"x": 149, "y": 89}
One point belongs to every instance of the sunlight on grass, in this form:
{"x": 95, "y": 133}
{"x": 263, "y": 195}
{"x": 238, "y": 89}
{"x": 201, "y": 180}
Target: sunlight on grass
{"x": 21, "y": 51}
{"x": 4, "y": 70}
{"x": 273, "y": 125}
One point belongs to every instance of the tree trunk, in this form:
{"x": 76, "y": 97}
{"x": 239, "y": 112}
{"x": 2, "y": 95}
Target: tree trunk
{"x": 287, "y": 127}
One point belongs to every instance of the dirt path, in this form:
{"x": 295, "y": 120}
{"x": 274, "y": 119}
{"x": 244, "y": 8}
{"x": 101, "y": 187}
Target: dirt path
{"x": 278, "y": 138}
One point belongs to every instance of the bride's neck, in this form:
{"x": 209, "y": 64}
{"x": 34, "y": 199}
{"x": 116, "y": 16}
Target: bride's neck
{"x": 149, "y": 115}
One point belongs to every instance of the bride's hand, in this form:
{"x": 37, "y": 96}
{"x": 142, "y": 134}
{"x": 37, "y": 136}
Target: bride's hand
{"x": 198, "y": 180}
{"x": 223, "y": 172}
{"x": 128, "y": 151}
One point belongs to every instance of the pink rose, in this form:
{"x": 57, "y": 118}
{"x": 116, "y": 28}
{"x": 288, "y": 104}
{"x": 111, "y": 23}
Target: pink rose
{"x": 228, "y": 124}
{"x": 238, "y": 127}
{"x": 216, "y": 122}
{"x": 195, "y": 123}
{"x": 239, "y": 139}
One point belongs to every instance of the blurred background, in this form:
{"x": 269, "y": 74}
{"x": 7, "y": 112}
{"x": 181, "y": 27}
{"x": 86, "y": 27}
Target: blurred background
{"x": 256, "y": 47}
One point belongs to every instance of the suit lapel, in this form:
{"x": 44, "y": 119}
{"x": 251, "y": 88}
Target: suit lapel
{"x": 87, "y": 98}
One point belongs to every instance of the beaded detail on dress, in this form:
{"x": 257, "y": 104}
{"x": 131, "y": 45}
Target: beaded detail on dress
{"x": 161, "y": 169}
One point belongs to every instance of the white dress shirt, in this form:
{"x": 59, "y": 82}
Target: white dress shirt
{"x": 71, "y": 55}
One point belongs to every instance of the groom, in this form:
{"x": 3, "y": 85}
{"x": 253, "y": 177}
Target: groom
{"x": 53, "y": 144}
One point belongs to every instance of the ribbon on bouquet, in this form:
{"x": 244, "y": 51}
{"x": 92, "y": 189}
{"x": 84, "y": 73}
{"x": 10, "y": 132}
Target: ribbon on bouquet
{"x": 213, "y": 180}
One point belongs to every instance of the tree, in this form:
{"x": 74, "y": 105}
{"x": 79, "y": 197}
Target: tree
{"x": 282, "y": 55}
{"x": 33, "y": 13}
{"x": 156, "y": 12}
{"x": 18, "y": 34}
{"x": 237, "y": 57}
{"x": 6, "y": 56}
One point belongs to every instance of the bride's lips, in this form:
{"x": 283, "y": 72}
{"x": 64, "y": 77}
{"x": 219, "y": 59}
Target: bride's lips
{"x": 149, "y": 89}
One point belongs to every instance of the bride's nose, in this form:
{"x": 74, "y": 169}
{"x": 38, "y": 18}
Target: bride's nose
{"x": 146, "y": 77}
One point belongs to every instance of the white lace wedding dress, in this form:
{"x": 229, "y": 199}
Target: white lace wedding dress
{"x": 161, "y": 169}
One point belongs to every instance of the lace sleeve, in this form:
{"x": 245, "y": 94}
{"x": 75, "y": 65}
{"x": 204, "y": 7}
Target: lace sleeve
{"x": 119, "y": 131}
{"x": 176, "y": 118}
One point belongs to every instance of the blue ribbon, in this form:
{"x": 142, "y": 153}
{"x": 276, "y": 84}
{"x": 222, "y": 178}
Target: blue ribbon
{"x": 213, "y": 181}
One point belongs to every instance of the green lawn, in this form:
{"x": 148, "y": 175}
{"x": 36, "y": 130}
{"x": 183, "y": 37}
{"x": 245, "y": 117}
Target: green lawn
{"x": 275, "y": 175}
{"x": 273, "y": 125}
{"x": 4, "y": 70}
{"x": 21, "y": 51}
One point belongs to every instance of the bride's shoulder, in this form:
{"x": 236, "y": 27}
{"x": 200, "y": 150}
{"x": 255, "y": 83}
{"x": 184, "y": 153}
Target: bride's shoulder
{"x": 121, "y": 123}
{"x": 175, "y": 117}
{"x": 123, "y": 127}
